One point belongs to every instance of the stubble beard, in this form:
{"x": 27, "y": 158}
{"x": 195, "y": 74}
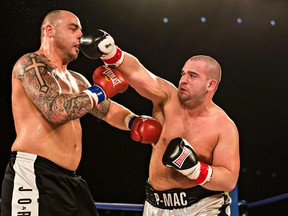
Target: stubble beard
{"x": 69, "y": 56}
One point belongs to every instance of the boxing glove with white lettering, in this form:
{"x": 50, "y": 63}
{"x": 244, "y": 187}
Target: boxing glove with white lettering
{"x": 107, "y": 83}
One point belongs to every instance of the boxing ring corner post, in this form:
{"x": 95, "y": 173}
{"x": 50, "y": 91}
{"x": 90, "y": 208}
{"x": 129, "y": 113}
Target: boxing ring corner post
{"x": 234, "y": 205}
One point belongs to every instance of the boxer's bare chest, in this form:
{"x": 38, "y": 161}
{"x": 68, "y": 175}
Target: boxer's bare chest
{"x": 66, "y": 81}
{"x": 200, "y": 132}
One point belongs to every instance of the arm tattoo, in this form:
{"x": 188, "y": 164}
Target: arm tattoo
{"x": 101, "y": 110}
{"x": 41, "y": 85}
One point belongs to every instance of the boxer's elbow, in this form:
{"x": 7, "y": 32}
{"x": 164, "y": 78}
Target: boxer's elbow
{"x": 57, "y": 117}
{"x": 230, "y": 185}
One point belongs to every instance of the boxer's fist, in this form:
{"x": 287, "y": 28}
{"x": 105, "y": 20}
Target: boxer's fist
{"x": 107, "y": 83}
{"x": 99, "y": 44}
{"x": 111, "y": 80}
{"x": 144, "y": 129}
{"x": 94, "y": 44}
{"x": 180, "y": 155}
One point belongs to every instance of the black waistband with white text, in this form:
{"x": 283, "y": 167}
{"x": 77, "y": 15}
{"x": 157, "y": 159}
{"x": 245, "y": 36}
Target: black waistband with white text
{"x": 176, "y": 198}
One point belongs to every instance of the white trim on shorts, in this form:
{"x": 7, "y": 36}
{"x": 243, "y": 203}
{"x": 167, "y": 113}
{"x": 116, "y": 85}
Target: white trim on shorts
{"x": 25, "y": 192}
{"x": 209, "y": 206}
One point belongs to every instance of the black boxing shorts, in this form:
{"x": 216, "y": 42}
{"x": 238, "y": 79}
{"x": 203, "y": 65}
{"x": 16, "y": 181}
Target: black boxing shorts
{"x": 33, "y": 185}
{"x": 176, "y": 198}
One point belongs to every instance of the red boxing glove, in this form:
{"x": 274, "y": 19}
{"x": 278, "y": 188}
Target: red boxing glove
{"x": 110, "y": 80}
{"x": 144, "y": 129}
{"x": 107, "y": 83}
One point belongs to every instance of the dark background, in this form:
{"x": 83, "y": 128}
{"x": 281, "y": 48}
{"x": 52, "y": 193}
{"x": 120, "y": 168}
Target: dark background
{"x": 253, "y": 91}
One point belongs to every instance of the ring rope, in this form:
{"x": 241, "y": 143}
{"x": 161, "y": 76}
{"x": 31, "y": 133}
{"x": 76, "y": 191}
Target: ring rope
{"x": 139, "y": 207}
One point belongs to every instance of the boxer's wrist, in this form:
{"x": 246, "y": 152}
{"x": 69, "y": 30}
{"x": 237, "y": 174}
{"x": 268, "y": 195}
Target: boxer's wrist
{"x": 129, "y": 119}
{"x": 114, "y": 58}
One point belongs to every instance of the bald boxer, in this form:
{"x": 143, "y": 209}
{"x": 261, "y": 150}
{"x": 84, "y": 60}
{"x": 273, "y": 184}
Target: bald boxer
{"x": 196, "y": 158}
{"x": 48, "y": 101}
